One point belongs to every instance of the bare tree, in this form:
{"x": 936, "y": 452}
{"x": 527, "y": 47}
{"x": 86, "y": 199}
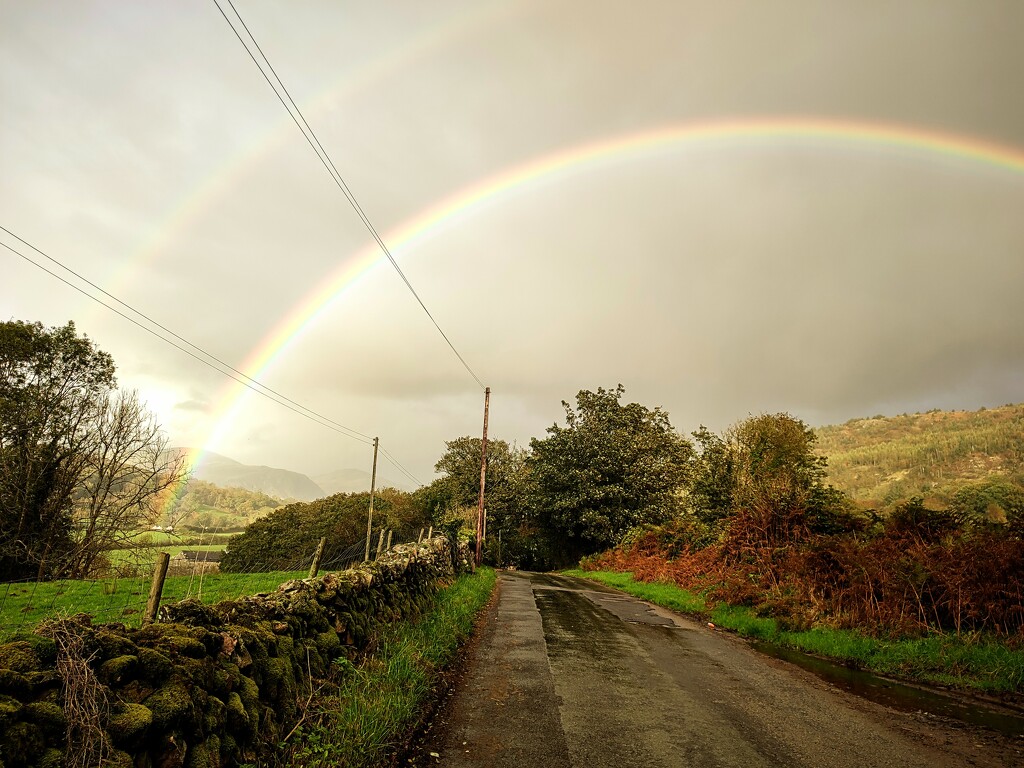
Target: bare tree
{"x": 127, "y": 473}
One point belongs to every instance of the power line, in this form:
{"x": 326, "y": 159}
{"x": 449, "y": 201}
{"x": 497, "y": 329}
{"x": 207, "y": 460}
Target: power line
{"x": 218, "y": 364}
{"x": 147, "y": 318}
{"x": 398, "y": 465}
{"x": 311, "y": 415}
{"x": 311, "y": 138}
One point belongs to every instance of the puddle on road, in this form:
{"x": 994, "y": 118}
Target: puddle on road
{"x": 897, "y": 695}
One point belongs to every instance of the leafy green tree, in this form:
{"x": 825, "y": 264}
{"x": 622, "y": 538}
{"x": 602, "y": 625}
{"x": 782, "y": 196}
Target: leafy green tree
{"x": 52, "y": 385}
{"x": 459, "y": 485}
{"x": 993, "y": 502}
{"x": 712, "y": 478}
{"x": 610, "y": 468}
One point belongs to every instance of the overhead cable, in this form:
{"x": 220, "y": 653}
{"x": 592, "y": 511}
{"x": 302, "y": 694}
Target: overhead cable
{"x": 213, "y": 362}
{"x": 311, "y": 138}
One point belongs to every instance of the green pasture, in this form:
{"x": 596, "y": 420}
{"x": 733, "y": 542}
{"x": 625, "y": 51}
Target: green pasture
{"x": 23, "y": 605}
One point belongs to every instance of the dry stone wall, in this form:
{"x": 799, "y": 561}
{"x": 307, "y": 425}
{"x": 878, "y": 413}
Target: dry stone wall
{"x": 207, "y": 685}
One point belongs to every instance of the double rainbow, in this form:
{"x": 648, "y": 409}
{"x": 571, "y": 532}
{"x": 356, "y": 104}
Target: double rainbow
{"x": 404, "y": 238}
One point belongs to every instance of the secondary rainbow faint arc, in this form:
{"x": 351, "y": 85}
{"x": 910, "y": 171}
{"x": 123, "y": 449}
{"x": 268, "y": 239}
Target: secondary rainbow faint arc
{"x": 306, "y": 313}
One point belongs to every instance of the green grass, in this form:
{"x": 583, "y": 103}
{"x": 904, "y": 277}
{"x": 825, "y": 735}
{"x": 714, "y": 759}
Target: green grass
{"x": 364, "y": 719}
{"x": 966, "y": 661}
{"x": 145, "y": 557}
{"x": 24, "y": 605}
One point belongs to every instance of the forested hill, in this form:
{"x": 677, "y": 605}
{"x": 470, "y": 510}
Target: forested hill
{"x": 885, "y": 459}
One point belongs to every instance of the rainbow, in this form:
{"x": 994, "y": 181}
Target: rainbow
{"x": 470, "y": 200}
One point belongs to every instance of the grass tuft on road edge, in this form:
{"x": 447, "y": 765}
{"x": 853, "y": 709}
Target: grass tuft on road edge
{"x": 966, "y": 662}
{"x": 362, "y": 720}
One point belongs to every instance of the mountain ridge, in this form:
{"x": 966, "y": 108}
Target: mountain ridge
{"x": 284, "y": 484}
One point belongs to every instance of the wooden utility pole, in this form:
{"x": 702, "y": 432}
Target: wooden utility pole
{"x": 483, "y": 481}
{"x": 373, "y": 487}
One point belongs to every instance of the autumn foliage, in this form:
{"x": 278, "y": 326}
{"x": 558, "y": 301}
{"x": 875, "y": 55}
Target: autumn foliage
{"x": 787, "y": 545}
{"x": 899, "y": 581}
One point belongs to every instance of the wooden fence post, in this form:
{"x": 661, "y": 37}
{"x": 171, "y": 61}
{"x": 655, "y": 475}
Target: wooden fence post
{"x": 380, "y": 543}
{"x": 156, "y": 589}
{"x": 419, "y": 539}
{"x": 389, "y": 540}
{"x": 314, "y": 567}
{"x": 430, "y": 533}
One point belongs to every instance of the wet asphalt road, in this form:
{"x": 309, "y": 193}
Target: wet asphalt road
{"x": 571, "y": 673}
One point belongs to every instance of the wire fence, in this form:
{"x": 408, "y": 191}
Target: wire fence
{"x": 193, "y": 572}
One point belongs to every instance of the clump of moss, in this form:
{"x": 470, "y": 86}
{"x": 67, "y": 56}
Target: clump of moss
{"x": 109, "y": 641}
{"x": 171, "y": 706}
{"x": 19, "y": 656}
{"x": 48, "y": 716}
{"x": 129, "y": 724}
{"x": 154, "y": 666}
{"x": 118, "y": 669}
{"x": 13, "y": 682}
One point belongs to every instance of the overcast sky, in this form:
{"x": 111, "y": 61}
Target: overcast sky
{"x": 831, "y": 277}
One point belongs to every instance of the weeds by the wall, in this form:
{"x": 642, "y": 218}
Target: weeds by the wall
{"x": 370, "y": 708}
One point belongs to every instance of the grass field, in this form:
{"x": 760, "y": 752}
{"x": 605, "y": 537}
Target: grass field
{"x": 23, "y": 605}
{"x": 965, "y": 661}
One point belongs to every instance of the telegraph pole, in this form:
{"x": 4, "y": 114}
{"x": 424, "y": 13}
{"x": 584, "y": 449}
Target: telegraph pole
{"x": 373, "y": 487}
{"x": 483, "y": 481}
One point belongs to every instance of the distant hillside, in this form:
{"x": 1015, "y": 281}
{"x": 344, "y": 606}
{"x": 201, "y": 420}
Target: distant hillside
{"x": 203, "y": 505}
{"x": 279, "y": 483}
{"x": 353, "y": 481}
{"x": 884, "y": 459}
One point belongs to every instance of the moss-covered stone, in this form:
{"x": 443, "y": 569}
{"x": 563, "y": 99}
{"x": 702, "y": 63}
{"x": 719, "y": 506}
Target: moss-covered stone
{"x": 10, "y": 709}
{"x": 215, "y": 715}
{"x": 22, "y": 743}
{"x": 129, "y": 724}
{"x": 44, "y": 648}
{"x": 110, "y": 641}
{"x": 154, "y": 666}
{"x": 50, "y": 717}
{"x": 13, "y": 682}
{"x": 328, "y": 643}
{"x": 185, "y": 646}
{"x": 19, "y": 656}
{"x": 118, "y": 669}
{"x": 172, "y": 707}
{"x": 230, "y": 753}
{"x": 235, "y": 714}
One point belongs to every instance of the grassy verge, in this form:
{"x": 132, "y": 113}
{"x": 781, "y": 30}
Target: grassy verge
{"x": 370, "y": 713}
{"x": 23, "y": 605}
{"x": 967, "y": 661}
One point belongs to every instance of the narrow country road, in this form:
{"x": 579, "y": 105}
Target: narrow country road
{"x": 570, "y": 673}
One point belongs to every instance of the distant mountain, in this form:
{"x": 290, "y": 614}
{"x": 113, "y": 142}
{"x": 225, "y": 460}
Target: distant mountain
{"x": 279, "y": 483}
{"x": 883, "y": 460}
{"x": 353, "y": 481}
